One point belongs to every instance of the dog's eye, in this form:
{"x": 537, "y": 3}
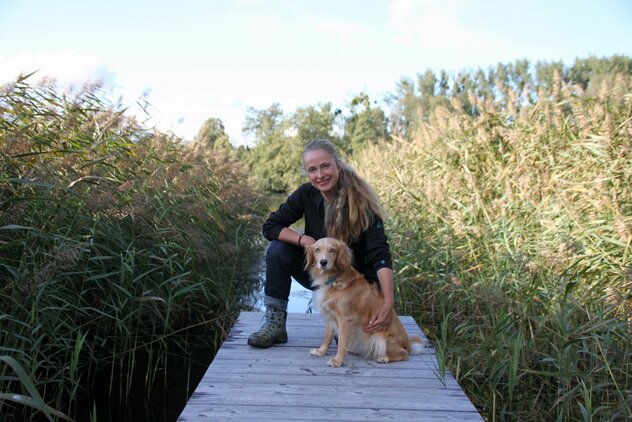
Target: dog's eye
{"x": 317, "y": 250}
{"x": 332, "y": 250}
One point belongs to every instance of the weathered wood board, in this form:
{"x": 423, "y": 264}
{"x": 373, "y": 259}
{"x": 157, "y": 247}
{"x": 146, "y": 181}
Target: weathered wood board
{"x": 284, "y": 382}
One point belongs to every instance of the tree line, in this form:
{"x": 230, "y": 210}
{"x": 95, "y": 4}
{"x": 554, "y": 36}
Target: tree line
{"x": 274, "y": 159}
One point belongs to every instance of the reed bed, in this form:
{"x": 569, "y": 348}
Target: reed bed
{"x": 511, "y": 231}
{"x": 122, "y": 250}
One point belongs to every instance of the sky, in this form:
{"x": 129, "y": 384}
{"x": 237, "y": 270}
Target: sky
{"x": 196, "y": 59}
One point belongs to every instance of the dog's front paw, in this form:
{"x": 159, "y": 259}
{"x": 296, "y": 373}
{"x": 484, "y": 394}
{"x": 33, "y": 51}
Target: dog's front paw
{"x": 334, "y": 362}
{"x": 383, "y": 359}
{"x": 317, "y": 352}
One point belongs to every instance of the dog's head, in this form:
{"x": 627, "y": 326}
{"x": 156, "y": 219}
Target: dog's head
{"x": 328, "y": 255}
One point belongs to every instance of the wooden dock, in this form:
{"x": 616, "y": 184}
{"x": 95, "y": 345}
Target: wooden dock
{"x": 285, "y": 383}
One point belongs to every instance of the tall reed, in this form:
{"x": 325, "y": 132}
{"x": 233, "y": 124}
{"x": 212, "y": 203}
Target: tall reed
{"x": 512, "y": 231}
{"x": 121, "y": 250}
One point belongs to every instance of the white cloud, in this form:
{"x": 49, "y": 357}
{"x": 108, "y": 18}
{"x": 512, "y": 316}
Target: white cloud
{"x": 68, "y": 68}
{"x": 266, "y": 26}
{"x": 434, "y": 24}
{"x": 347, "y": 31}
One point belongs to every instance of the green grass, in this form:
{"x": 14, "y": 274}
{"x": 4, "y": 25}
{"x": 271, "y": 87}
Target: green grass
{"x": 512, "y": 234}
{"x": 121, "y": 250}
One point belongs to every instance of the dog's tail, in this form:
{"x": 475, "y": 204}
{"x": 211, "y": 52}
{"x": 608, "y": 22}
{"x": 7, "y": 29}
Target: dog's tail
{"x": 417, "y": 345}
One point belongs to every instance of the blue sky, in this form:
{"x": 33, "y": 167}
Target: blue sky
{"x": 215, "y": 58}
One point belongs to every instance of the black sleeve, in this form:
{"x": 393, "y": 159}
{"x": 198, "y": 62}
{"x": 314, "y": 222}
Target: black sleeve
{"x": 378, "y": 254}
{"x": 288, "y": 213}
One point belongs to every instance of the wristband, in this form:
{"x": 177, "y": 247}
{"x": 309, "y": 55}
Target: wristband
{"x": 299, "y": 240}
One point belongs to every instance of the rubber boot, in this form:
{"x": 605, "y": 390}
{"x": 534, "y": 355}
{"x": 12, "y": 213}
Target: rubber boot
{"x": 271, "y": 331}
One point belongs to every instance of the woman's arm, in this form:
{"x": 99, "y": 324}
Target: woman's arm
{"x": 287, "y": 214}
{"x": 382, "y": 319}
{"x": 290, "y": 236}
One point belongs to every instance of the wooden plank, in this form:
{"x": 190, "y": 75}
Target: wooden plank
{"x": 289, "y": 360}
{"x": 271, "y": 377}
{"x": 289, "y": 395}
{"x": 316, "y": 412}
{"x": 286, "y": 383}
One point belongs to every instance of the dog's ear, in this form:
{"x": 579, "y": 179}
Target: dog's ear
{"x": 309, "y": 257}
{"x": 344, "y": 257}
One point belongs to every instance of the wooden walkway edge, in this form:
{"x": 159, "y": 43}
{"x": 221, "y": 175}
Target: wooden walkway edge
{"x": 285, "y": 383}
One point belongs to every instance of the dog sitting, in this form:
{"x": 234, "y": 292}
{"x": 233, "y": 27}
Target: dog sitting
{"x": 347, "y": 301}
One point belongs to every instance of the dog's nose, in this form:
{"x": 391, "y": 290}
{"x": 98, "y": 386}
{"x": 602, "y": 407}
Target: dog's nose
{"x": 323, "y": 262}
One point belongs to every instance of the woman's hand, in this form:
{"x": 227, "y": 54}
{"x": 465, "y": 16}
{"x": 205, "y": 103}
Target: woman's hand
{"x": 307, "y": 240}
{"x": 381, "y": 321}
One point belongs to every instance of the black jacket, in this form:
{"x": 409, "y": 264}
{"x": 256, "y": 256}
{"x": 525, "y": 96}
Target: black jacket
{"x": 370, "y": 251}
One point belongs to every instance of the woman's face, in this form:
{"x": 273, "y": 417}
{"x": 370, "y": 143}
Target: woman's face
{"x": 322, "y": 170}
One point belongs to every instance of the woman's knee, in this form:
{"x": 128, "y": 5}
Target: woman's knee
{"x": 281, "y": 253}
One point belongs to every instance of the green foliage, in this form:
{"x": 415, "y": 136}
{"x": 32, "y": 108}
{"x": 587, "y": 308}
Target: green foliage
{"x": 512, "y": 233}
{"x": 405, "y": 105}
{"x": 121, "y": 249}
{"x": 275, "y": 160}
{"x": 585, "y": 70}
{"x": 34, "y": 400}
{"x": 314, "y": 122}
{"x": 506, "y": 85}
{"x": 265, "y": 123}
{"x": 367, "y": 125}
{"x": 212, "y": 135}
{"x": 276, "y": 163}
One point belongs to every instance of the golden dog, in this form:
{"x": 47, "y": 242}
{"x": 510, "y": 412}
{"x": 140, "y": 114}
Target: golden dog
{"x": 347, "y": 302}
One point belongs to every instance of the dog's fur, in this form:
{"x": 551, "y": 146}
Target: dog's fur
{"x": 347, "y": 302}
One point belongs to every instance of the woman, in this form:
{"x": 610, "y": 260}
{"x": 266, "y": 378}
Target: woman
{"x": 335, "y": 203}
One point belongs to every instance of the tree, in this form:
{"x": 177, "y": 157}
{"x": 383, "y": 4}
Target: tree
{"x": 545, "y": 74}
{"x": 594, "y": 69}
{"x": 212, "y": 134}
{"x": 314, "y": 122}
{"x": 427, "y": 85}
{"x": 444, "y": 83}
{"x": 275, "y": 160}
{"x": 264, "y": 123}
{"x": 365, "y": 126}
{"x": 462, "y": 85}
{"x": 405, "y": 105}
{"x": 520, "y": 75}
{"x": 482, "y": 85}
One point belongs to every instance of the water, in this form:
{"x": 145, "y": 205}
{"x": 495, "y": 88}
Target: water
{"x": 300, "y": 299}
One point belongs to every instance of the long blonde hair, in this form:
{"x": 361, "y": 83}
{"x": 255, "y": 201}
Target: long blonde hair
{"x": 355, "y": 203}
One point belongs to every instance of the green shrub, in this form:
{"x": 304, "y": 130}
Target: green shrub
{"x": 512, "y": 232}
{"x": 118, "y": 246}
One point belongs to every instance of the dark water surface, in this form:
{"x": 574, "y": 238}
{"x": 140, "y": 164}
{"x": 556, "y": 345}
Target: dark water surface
{"x": 170, "y": 390}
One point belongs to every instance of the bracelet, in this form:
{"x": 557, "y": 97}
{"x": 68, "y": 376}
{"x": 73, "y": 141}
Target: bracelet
{"x": 299, "y": 240}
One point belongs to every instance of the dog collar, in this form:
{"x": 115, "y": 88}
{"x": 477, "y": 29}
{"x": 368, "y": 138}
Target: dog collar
{"x": 331, "y": 280}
